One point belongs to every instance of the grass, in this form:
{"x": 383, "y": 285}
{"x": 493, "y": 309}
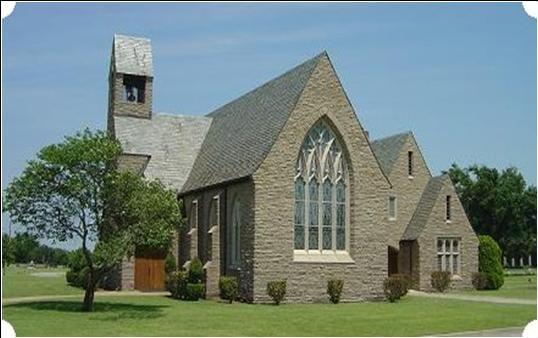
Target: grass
{"x": 514, "y": 287}
{"x": 24, "y": 282}
{"x": 162, "y": 316}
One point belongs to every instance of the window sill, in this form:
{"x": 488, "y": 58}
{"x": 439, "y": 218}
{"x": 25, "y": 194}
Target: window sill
{"x": 448, "y": 221}
{"x": 411, "y": 177}
{"x": 301, "y": 256}
{"x": 392, "y": 219}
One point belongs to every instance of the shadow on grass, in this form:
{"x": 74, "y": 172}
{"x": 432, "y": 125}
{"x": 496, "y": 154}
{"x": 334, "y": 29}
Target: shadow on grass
{"x": 103, "y": 311}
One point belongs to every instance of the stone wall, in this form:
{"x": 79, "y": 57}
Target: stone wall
{"x": 212, "y": 243}
{"x": 120, "y": 107}
{"x": 273, "y": 208}
{"x": 127, "y": 273}
{"x": 406, "y": 189}
{"x": 459, "y": 227}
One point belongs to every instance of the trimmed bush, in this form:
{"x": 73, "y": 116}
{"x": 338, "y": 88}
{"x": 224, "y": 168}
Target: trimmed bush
{"x": 170, "y": 264}
{"x": 229, "y": 288}
{"x": 489, "y": 262}
{"x": 176, "y": 283}
{"x": 276, "y": 290}
{"x": 406, "y": 280}
{"x": 195, "y": 291}
{"x": 396, "y": 286}
{"x": 441, "y": 280}
{"x": 334, "y": 290}
{"x": 480, "y": 280}
{"x": 196, "y": 271}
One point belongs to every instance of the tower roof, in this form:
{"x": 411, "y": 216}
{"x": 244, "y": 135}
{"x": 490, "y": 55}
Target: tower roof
{"x": 132, "y": 55}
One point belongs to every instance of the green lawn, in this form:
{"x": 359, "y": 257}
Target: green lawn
{"x": 514, "y": 287}
{"x": 25, "y": 282}
{"x": 162, "y": 316}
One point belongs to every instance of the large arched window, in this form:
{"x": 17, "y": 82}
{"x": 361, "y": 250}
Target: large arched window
{"x": 320, "y": 220}
{"x": 235, "y": 233}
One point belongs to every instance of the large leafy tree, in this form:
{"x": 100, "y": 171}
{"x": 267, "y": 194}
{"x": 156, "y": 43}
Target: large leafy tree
{"x": 70, "y": 191}
{"x": 8, "y": 257}
{"x": 499, "y": 204}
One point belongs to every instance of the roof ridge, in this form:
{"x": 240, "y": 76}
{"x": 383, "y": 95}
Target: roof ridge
{"x": 408, "y": 132}
{"x": 427, "y": 200}
{"x": 289, "y": 71}
{"x": 131, "y": 37}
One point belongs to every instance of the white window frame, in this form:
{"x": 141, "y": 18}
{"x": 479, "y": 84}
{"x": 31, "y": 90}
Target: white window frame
{"x": 449, "y": 253}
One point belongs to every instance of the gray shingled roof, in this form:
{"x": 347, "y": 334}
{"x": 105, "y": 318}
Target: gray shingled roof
{"x": 388, "y": 149}
{"x": 132, "y": 55}
{"x": 172, "y": 141}
{"x": 244, "y": 130}
{"x": 424, "y": 208}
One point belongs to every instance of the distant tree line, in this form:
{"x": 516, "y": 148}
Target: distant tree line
{"x": 501, "y": 204}
{"x": 24, "y": 248}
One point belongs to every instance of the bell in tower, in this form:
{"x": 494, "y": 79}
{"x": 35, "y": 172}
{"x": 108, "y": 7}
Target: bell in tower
{"x": 130, "y": 79}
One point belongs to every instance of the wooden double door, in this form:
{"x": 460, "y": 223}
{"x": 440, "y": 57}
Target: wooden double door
{"x": 149, "y": 274}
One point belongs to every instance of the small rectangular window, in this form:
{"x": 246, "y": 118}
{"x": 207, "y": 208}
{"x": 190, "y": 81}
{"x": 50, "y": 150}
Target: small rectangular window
{"x": 410, "y": 163}
{"x": 392, "y": 207}
{"x": 448, "y": 211}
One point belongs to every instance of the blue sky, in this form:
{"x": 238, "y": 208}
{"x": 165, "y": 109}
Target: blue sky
{"x": 462, "y": 77}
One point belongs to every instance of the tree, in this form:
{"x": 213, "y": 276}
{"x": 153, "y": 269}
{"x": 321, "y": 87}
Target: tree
{"x": 23, "y": 246}
{"x": 69, "y": 191}
{"x": 8, "y": 257}
{"x": 499, "y": 204}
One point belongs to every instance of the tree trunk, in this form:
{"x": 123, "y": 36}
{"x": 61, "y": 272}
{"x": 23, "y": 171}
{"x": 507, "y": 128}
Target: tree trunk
{"x": 87, "y": 305}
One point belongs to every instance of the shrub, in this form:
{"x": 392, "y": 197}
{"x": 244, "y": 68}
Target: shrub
{"x": 194, "y": 291}
{"x": 229, "y": 288}
{"x": 277, "y": 290}
{"x": 480, "y": 280}
{"x": 176, "y": 283}
{"x": 71, "y": 277}
{"x": 489, "y": 262}
{"x": 406, "y": 280}
{"x": 440, "y": 280}
{"x": 170, "y": 263}
{"x": 396, "y": 286}
{"x": 76, "y": 274}
{"x": 195, "y": 272}
{"x": 334, "y": 290}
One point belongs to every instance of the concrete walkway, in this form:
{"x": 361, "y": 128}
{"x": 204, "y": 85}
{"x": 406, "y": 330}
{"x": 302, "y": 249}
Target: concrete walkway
{"x": 487, "y": 299}
{"x": 16, "y": 300}
{"x": 504, "y": 332}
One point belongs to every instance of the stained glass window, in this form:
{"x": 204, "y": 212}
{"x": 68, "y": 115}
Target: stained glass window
{"x": 299, "y": 233}
{"x": 320, "y": 210}
{"x": 313, "y": 214}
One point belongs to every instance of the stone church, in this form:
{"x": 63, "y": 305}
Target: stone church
{"x": 284, "y": 183}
